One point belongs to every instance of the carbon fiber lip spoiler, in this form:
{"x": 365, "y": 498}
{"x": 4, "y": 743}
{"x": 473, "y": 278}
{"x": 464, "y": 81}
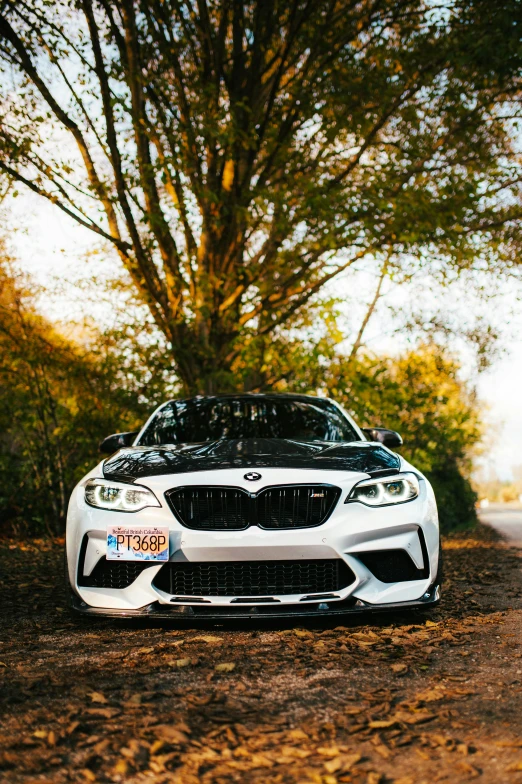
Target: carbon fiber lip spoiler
{"x": 322, "y": 610}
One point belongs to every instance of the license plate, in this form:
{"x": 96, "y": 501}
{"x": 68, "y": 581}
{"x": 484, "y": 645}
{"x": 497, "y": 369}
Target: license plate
{"x": 134, "y": 543}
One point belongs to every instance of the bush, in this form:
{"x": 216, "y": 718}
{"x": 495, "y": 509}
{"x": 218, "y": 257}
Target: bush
{"x": 421, "y": 395}
{"x": 58, "y": 399}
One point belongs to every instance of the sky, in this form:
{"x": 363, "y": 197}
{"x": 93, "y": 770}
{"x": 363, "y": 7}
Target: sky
{"x": 56, "y": 251}
{"x": 501, "y": 388}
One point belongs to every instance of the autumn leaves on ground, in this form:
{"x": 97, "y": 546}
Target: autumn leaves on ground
{"x": 403, "y": 699}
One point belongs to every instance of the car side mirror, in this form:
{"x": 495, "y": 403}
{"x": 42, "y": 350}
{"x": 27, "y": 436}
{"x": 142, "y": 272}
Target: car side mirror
{"x": 117, "y": 441}
{"x": 387, "y": 437}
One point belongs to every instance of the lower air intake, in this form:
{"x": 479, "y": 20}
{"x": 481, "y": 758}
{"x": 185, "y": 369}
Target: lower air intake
{"x": 112, "y": 574}
{"x": 253, "y": 578}
{"x": 108, "y": 574}
{"x": 392, "y": 566}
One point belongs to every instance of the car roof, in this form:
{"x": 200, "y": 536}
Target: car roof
{"x": 257, "y": 395}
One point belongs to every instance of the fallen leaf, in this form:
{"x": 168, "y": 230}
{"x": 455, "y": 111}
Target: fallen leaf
{"x": 383, "y": 751}
{"x": 296, "y": 735}
{"x": 171, "y": 734}
{"x": 88, "y": 775}
{"x": 291, "y": 753}
{"x": 181, "y": 663}
{"x": 122, "y": 768}
{"x": 414, "y": 718}
{"x": 431, "y": 695}
{"x": 471, "y": 771}
{"x": 333, "y": 765}
{"x": 366, "y": 636}
{"x": 136, "y": 751}
{"x": 97, "y": 696}
{"x": 441, "y": 740}
{"x": 512, "y": 744}
{"x": 210, "y": 638}
{"x": 260, "y": 761}
{"x": 225, "y": 667}
{"x": 330, "y": 751}
{"x": 107, "y": 713}
{"x": 342, "y": 763}
{"x": 101, "y": 747}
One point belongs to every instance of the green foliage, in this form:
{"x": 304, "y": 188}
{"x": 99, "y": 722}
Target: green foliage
{"x": 456, "y": 497}
{"x": 421, "y": 395}
{"x": 58, "y": 399}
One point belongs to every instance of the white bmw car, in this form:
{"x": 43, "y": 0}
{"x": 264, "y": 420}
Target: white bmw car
{"x": 252, "y": 505}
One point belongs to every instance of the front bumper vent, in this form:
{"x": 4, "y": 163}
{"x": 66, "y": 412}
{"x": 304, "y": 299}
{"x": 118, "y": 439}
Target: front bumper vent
{"x": 392, "y": 566}
{"x": 108, "y": 574}
{"x": 253, "y": 578}
{"x": 113, "y": 574}
{"x": 218, "y": 508}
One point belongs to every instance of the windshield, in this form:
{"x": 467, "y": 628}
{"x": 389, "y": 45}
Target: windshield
{"x": 212, "y": 419}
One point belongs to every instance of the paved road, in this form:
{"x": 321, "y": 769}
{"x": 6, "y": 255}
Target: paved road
{"x": 507, "y": 520}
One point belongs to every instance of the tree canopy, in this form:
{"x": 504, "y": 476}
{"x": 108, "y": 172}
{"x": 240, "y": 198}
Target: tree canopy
{"x": 241, "y": 155}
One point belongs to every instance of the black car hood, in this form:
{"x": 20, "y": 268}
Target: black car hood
{"x": 139, "y": 461}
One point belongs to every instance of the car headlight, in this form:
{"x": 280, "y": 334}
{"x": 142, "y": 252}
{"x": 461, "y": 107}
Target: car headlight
{"x": 117, "y": 496}
{"x": 386, "y": 491}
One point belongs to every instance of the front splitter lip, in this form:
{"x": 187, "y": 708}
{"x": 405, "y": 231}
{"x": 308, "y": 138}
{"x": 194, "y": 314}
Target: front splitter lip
{"x": 196, "y": 612}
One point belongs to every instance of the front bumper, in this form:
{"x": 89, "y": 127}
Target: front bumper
{"x": 197, "y": 612}
{"x": 350, "y": 534}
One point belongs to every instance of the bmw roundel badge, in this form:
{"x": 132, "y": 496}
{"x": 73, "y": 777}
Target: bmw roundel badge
{"x": 252, "y": 476}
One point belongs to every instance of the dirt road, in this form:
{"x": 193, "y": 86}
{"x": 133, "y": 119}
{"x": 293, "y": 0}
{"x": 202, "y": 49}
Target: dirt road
{"x": 403, "y": 699}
